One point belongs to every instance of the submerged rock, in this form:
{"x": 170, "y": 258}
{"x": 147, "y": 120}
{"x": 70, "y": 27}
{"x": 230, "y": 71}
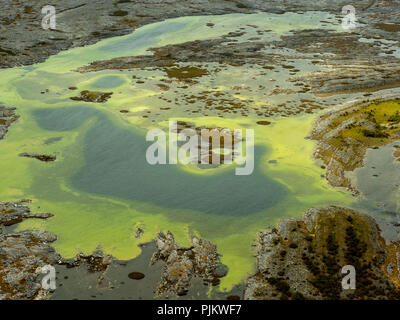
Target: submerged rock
{"x": 15, "y": 212}
{"x": 41, "y": 157}
{"x": 139, "y": 232}
{"x": 263, "y": 123}
{"x": 136, "y": 275}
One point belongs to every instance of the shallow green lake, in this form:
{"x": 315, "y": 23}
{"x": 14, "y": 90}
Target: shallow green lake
{"x": 101, "y": 187}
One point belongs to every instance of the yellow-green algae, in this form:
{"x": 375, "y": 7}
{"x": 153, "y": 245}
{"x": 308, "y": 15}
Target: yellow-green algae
{"x": 384, "y": 115}
{"x": 83, "y": 221}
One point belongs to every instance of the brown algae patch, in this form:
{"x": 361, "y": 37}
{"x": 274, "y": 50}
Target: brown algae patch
{"x": 263, "y": 123}
{"x": 187, "y": 72}
{"x": 388, "y": 27}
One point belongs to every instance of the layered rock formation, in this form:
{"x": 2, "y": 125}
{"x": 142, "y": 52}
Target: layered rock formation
{"x": 303, "y": 259}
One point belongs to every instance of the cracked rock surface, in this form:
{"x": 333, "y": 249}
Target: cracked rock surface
{"x": 183, "y": 264}
{"x": 303, "y": 259}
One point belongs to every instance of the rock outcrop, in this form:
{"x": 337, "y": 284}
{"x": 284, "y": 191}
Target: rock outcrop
{"x": 15, "y": 212}
{"x": 182, "y": 265}
{"x": 23, "y": 255}
{"x": 304, "y": 258}
{"x": 40, "y": 157}
{"x": 344, "y": 134}
{"x": 7, "y": 117}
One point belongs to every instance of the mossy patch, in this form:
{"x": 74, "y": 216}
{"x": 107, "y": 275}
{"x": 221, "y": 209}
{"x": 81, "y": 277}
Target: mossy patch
{"x": 383, "y": 118}
{"x": 185, "y": 72}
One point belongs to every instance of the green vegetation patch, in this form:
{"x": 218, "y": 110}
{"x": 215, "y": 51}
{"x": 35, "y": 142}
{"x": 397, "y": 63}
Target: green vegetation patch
{"x": 185, "y": 72}
{"x": 373, "y": 126}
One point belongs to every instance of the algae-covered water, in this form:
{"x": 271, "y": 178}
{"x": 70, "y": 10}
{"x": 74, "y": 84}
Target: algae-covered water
{"x": 101, "y": 188}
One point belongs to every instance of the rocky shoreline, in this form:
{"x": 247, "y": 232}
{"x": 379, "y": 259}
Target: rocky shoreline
{"x": 83, "y": 22}
{"x": 13, "y": 213}
{"x": 345, "y": 133}
{"x": 23, "y": 254}
{"x": 183, "y": 264}
{"x": 301, "y": 259}
{"x": 7, "y": 117}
